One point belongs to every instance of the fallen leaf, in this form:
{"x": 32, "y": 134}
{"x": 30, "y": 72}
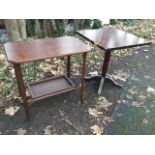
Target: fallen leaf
{"x": 47, "y": 60}
{"x": 94, "y": 112}
{"x": 46, "y": 69}
{"x": 97, "y": 130}
{"x": 11, "y": 110}
{"x": 145, "y": 50}
{"x": 147, "y": 77}
{"x": 146, "y": 57}
{"x": 54, "y": 72}
{"x": 2, "y": 57}
{"x": 106, "y": 120}
{"x": 136, "y": 104}
{"x": 21, "y": 131}
{"x": 123, "y": 101}
{"x": 48, "y": 130}
{"x": 103, "y": 103}
{"x": 57, "y": 60}
{"x": 118, "y": 101}
{"x": 76, "y": 65}
{"x": 12, "y": 72}
{"x": 9, "y": 97}
{"x": 145, "y": 121}
{"x": 119, "y": 114}
{"x": 136, "y": 52}
{"x": 93, "y": 73}
{"x": 129, "y": 96}
{"x": 133, "y": 91}
{"x": 133, "y": 78}
{"x": 150, "y": 90}
{"x": 147, "y": 111}
{"x": 77, "y": 73}
{"x": 60, "y": 69}
{"x": 142, "y": 97}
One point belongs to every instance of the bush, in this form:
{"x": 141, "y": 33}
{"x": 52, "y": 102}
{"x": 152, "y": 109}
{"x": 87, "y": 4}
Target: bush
{"x": 126, "y": 22}
{"x": 30, "y": 28}
{"x": 114, "y": 21}
{"x": 129, "y": 22}
{"x": 92, "y": 23}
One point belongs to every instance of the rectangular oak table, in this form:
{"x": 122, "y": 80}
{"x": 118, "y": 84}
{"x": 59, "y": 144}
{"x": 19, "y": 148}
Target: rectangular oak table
{"x": 25, "y": 51}
{"x": 110, "y": 39}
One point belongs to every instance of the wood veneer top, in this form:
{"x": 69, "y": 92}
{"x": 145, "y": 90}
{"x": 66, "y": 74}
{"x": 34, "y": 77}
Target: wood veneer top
{"x": 24, "y": 51}
{"x": 112, "y": 39}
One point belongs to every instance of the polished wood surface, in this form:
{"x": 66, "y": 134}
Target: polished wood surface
{"x": 24, "y": 51}
{"x": 112, "y": 39}
{"x": 50, "y": 86}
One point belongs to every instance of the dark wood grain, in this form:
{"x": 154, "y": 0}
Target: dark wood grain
{"x": 24, "y": 51}
{"x": 50, "y": 86}
{"x": 110, "y": 39}
{"x": 82, "y": 78}
{"x": 22, "y": 89}
{"x": 113, "y": 39}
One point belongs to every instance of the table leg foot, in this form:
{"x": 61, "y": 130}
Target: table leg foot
{"x": 101, "y": 85}
{"x": 108, "y": 79}
{"x": 116, "y": 84}
{"x": 102, "y": 81}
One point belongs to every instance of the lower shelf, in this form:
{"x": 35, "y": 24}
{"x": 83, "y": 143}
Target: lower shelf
{"x": 50, "y": 86}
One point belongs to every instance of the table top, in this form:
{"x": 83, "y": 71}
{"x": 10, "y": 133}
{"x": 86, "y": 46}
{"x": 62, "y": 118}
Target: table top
{"x": 112, "y": 39}
{"x": 39, "y": 49}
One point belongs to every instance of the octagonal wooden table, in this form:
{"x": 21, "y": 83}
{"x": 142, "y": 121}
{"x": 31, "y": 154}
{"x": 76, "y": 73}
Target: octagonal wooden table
{"x": 25, "y": 51}
{"x": 110, "y": 39}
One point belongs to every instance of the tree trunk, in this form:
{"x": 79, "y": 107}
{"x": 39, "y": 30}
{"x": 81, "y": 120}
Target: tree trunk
{"x": 22, "y": 28}
{"x": 12, "y": 29}
{"x": 81, "y": 24}
{"x": 45, "y": 28}
{"x": 53, "y": 25}
{"x": 76, "y": 25}
{"x": 64, "y": 24}
{"x": 2, "y": 24}
{"x": 48, "y": 27}
{"x": 38, "y": 28}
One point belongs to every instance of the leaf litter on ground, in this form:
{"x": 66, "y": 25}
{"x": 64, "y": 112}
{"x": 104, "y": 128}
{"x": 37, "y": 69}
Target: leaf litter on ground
{"x": 95, "y": 129}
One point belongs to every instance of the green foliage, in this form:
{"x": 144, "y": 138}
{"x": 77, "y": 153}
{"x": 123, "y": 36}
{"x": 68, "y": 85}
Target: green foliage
{"x": 30, "y": 27}
{"x": 58, "y": 32}
{"x": 129, "y": 22}
{"x": 114, "y": 21}
{"x": 126, "y": 22}
{"x": 31, "y": 72}
{"x": 96, "y": 24}
{"x": 93, "y": 23}
{"x": 2, "y": 74}
{"x": 6, "y": 90}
